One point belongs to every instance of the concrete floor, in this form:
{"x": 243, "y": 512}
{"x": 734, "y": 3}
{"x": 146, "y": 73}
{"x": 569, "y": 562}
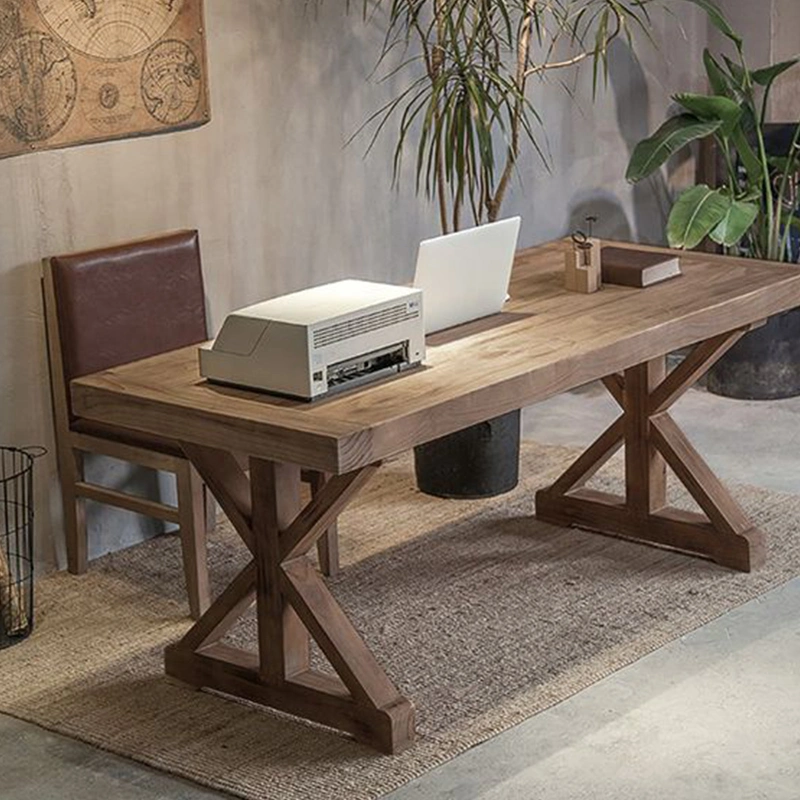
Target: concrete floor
{"x": 715, "y": 714}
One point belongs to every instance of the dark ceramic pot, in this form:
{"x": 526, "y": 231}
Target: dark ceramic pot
{"x": 479, "y": 461}
{"x": 764, "y": 364}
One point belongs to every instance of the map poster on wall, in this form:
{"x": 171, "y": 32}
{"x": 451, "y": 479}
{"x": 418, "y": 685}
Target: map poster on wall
{"x": 78, "y": 71}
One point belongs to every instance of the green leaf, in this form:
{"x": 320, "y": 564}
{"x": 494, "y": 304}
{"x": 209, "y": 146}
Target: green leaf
{"x": 716, "y": 76}
{"x": 734, "y": 225}
{"x": 674, "y": 134}
{"x": 718, "y": 20}
{"x": 766, "y": 75}
{"x": 751, "y": 162}
{"x": 713, "y": 107}
{"x": 695, "y": 214}
{"x": 738, "y": 73}
{"x": 600, "y": 44}
{"x": 780, "y": 163}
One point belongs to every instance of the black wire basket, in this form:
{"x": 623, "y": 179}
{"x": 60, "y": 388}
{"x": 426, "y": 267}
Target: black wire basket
{"x": 16, "y": 543}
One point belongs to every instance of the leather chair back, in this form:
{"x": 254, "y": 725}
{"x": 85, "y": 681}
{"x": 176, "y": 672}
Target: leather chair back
{"x": 131, "y": 301}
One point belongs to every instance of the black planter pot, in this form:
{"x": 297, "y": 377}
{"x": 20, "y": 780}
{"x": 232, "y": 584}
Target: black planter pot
{"x": 480, "y": 461}
{"x": 762, "y": 365}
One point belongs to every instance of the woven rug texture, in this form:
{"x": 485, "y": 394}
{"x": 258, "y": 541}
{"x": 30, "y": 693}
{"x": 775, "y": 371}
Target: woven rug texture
{"x": 480, "y": 614}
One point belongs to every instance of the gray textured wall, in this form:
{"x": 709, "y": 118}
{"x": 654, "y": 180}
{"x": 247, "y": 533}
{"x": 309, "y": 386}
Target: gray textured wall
{"x": 771, "y": 32}
{"x": 279, "y": 200}
{"x": 786, "y": 45}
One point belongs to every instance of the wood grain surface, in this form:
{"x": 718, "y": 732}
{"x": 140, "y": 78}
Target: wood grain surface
{"x": 546, "y": 341}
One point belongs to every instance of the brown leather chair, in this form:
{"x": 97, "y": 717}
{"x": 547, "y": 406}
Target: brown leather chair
{"x": 104, "y": 308}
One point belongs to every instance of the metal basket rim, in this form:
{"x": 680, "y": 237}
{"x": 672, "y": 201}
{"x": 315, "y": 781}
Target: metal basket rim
{"x": 29, "y": 457}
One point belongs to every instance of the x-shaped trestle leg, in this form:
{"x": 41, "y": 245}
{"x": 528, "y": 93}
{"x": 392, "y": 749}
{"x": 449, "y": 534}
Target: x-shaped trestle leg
{"x": 652, "y": 440}
{"x": 292, "y": 602}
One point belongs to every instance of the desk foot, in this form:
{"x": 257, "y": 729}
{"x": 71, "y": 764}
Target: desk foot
{"x": 293, "y": 604}
{"x": 652, "y": 441}
{"x": 671, "y": 528}
{"x": 312, "y": 695}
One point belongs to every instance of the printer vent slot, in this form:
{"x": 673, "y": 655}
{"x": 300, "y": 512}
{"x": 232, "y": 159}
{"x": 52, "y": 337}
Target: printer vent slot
{"x": 366, "y": 323}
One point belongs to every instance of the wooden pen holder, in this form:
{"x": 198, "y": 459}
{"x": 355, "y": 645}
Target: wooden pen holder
{"x": 582, "y": 267}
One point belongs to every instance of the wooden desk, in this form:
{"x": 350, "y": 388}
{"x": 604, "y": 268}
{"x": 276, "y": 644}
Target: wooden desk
{"x": 546, "y": 342}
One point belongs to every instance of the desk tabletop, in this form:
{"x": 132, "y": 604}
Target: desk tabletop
{"x": 545, "y": 341}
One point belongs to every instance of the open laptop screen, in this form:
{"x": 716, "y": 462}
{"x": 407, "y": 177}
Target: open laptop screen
{"x": 465, "y": 275}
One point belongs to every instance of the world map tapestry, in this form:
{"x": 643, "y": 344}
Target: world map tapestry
{"x": 78, "y": 71}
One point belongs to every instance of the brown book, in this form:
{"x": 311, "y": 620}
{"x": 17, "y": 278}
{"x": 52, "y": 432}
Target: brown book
{"x": 638, "y": 268}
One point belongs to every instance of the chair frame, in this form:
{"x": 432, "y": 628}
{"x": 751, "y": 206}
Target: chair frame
{"x": 195, "y": 512}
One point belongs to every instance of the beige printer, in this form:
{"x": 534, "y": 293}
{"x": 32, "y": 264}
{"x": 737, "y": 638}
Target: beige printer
{"x": 319, "y": 340}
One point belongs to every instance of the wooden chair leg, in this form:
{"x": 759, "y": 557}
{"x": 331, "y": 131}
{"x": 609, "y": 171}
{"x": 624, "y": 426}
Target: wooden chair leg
{"x": 192, "y": 511}
{"x": 328, "y": 543}
{"x": 70, "y": 473}
{"x": 328, "y": 552}
{"x": 211, "y": 509}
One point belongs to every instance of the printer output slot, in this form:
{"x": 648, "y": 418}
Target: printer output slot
{"x": 368, "y": 366}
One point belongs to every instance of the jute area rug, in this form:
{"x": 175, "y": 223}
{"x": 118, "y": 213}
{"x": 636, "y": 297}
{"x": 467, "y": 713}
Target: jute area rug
{"x": 481, "y": 615}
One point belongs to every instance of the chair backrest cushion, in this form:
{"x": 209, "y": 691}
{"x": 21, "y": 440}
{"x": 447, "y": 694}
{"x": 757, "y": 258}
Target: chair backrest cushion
{"x": 123, "y": 303}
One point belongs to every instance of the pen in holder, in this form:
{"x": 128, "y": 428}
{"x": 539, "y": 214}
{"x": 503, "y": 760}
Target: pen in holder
{"x": 582, "y": 268}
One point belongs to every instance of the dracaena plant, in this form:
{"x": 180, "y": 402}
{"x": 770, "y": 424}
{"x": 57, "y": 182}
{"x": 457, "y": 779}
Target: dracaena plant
{"x": 754, "y": 209}
{"x": 466, "y": 110}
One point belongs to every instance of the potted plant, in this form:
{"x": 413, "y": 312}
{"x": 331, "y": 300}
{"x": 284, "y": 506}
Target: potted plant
{"x": 752, "y": 212}
{"x": 467, "y": 114}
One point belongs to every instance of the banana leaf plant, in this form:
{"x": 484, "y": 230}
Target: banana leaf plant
{"x": 467, "y": 108}
{"x": 754, "y": 210}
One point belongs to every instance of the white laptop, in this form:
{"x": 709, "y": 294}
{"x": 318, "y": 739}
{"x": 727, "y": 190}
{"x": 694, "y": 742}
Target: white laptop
{"x": 465, "y": 275}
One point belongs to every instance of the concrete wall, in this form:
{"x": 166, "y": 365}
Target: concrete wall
{"x": 786, "y": 45}
{"x": 771, "y": 31}
{"x": 279, "y": 200}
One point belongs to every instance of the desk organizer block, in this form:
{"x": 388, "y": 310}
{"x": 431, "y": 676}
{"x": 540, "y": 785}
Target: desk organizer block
{"x": 582, "y": 267}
